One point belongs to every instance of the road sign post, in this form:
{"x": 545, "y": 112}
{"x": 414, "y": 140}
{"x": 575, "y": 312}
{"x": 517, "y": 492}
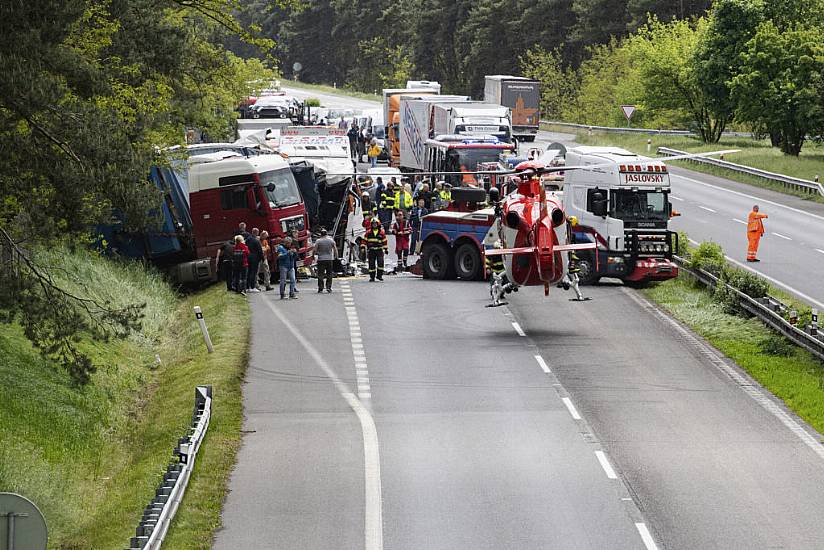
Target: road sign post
{"x": 22, "y": 526}
{"x": 628, "y": 111}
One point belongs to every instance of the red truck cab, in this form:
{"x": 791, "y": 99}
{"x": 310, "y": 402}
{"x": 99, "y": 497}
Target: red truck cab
{"x": 226, "y": 189}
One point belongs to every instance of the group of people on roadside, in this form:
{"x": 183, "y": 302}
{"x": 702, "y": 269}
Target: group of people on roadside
{"x": 248, "y": 260}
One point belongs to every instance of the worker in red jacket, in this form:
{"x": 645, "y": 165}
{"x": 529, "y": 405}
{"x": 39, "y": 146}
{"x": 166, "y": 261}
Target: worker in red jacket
{"x": 402, "y": 231}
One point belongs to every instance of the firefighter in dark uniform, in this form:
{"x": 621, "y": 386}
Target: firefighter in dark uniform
{"x": 376, "y": 247}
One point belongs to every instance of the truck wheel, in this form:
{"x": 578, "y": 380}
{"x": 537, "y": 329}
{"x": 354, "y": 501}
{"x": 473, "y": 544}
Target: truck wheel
{"x": 468, "y": 262}
{"x": 437, "y": 262}
{"x": 528, "y": 139}
{"x": 587, "y": 275}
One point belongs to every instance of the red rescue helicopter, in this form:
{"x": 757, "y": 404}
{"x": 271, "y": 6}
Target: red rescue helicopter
{"x": 532, "y": 234}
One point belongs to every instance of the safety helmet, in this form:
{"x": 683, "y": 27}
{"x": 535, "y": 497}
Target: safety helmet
{"x": 376, "y": 222}
{"x": 573, "y": 221}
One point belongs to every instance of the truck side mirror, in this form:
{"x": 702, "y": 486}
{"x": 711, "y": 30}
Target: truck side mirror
{"x": 270, "y": 187}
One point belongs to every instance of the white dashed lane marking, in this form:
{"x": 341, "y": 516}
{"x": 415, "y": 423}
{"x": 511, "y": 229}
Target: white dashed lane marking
{"x": 736, "y": 220}
{"x": 707, "y": 209}
{"x": 604, "y": 461}
{"x": 780, "y": 236}
{"x": 571, "y": 408}
{"x": 646, "y": 536}
{"x": 542, "y": 364}
{"x": 518, "y": 329}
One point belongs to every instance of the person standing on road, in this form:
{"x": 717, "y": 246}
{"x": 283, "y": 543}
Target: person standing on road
{"x": 240, "y": 264}
{"x": 325, "y": 251}
{"x": 373, "y": 153}
{"x": 755, "y": 230}
{"x": 402, "y": 230}
{"x": 376, "y": 247}
{"x": 286, "y": 265}
{"x": 353, "y": 134}
{"x": 415, "y": 217}
{"x": 255, "y": 256}
{"x": 387, "y": 204}
{"x": 264, "y": 270}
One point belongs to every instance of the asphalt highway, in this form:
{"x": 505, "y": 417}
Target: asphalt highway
{"x": 405, "y": 414}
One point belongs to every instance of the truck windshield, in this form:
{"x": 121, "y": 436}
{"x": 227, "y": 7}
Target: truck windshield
{"x": 631, "y": 205}
{"x": 468, "y": 159}
{"x": 285, "y": 191}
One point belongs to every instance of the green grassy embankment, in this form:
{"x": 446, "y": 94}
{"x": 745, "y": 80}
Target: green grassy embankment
{"x": 91, "y": 457}
{"x": 756, "y": 153}
{"x": 325, "y": 89}
{"x": 789, "y": 372}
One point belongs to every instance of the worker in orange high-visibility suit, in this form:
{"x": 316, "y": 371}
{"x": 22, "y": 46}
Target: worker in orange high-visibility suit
{"x": 755, "y": 230}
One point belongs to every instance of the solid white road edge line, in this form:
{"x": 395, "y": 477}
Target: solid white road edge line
{"x": 602, "y": 459}
{"x": 743, "y": 382}
{"x": 646, "y": 536}
{"x": 707, "y": 209}
{"x": 542, "y": 364}
{"x": 773, "y": 280}
{"x": 518, "y": 329}
{"x": 373, "y": 512}
{"x": 571, "y": 408}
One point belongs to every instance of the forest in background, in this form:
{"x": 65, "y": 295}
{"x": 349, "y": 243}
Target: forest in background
{"x": 754, "y": 64}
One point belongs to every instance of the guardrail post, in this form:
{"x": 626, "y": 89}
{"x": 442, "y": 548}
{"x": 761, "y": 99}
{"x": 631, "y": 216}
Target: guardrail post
{"x": 649, "y": 145}
{"x": 814, "y": 325}
{"x": 203, "y": 329}
{"x": 793, "y": 316}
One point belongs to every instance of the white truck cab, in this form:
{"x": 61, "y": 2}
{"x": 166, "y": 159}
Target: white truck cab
{"x": 621, "y": 204}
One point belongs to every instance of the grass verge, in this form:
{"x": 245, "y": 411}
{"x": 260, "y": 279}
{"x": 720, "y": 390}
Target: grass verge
{"x": 91, "y": 457}
{"x": 755, "y": 153}
{"x": 789, "y": 372}
{"x": 323, "y": 88}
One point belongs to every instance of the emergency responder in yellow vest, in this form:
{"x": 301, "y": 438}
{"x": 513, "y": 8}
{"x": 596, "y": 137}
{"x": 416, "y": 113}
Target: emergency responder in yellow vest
{"x": 387, "y": 205}
{"x": 755, "y": 230}
{"x": 376, "y": 247}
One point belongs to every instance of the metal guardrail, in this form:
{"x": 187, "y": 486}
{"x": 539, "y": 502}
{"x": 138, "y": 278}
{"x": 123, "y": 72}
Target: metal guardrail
{"x": 652, "y": 131}
{"x": 161, "y": 510}
{"x": 767, "y": 309}
{"x": 797, "y": 184}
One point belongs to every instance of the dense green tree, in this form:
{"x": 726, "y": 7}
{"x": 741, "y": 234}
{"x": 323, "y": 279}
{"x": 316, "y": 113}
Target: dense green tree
{"x": 780, "y": 83}
{"x": 716, "y": 58}
{"x": 559, "y": 85}
{"x": 88, "y": 91}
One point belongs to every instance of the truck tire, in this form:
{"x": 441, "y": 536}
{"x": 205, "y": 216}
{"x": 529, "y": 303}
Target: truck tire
{"x": 468, "y": 264}
{"x": 437, "y": 262}
{"x": 587, "y": 275}
{"x": 528, "y": 139}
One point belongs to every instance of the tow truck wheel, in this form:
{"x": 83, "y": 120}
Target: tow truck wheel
{"x": 468, "y": 262}
{"x": 587, "y": 275}
{"x": 437, "y": 262}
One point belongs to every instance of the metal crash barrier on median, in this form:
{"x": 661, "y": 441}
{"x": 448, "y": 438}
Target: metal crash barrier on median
{"x": 161, "y": 510}
{"x": 796, "y": 184}
{"x": 767, "y": 309}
